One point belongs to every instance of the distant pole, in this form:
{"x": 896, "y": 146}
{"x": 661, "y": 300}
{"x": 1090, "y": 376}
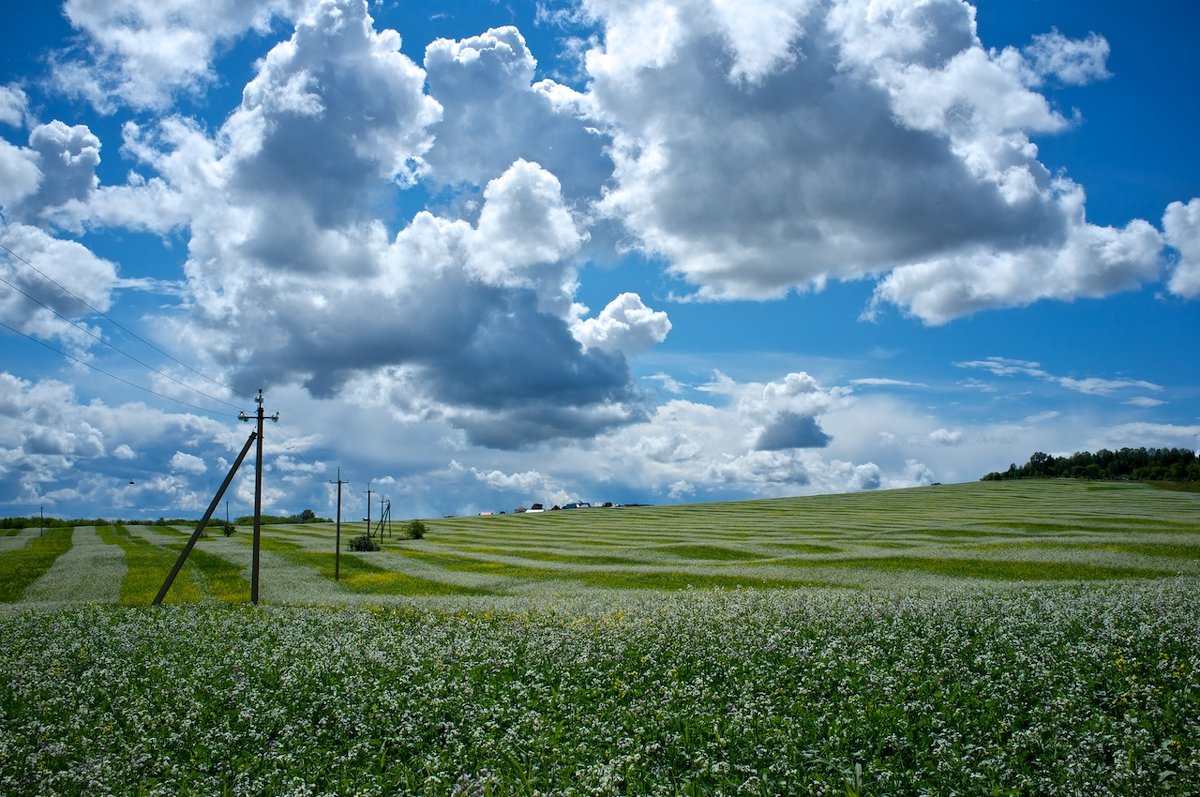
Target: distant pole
{"x": 226, "y": 511}
{"x": 337, "y": 549}
{"x": 258, "y": 458}
{"x": 42, "y": 522}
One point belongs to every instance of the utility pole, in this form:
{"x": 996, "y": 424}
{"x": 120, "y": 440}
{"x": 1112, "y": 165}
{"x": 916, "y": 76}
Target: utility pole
{"x": 369, "y": 509}
{"x": 226, "y": 511}
{"x": 337, "y": 550}
{"x": 258, "y": 456}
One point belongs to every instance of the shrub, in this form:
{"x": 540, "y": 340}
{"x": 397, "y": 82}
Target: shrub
{"x": 363, "y": 543}
{"x": 416, "y": 529}
{"x": 228, "y": 529}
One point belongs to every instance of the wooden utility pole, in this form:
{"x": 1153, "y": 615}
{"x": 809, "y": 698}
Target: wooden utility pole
{"x": 369, "y": 491}
{"x": 337, "y": 549}
{"x": 258, "y": 457}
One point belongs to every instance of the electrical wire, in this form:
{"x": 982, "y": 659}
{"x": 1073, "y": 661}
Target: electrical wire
{"x": 111, "y": 375}
{"x": 113, "y": 346}
{"x": 120, "y": 326}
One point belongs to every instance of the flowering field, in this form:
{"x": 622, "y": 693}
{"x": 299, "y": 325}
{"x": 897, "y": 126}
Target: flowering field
{"x": 994, "y": 638}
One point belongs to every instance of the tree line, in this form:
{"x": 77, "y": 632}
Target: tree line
{"x": 1134, "y": 464}
{"x": 34, "y": 521}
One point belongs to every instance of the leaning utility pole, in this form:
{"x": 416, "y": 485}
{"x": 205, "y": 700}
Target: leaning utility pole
{"x": 187, "y": 549}
{"x": 258, "y": 457}
{"x": 337, "y": 550}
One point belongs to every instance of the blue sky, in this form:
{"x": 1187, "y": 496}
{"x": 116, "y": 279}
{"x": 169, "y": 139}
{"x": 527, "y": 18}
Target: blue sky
{"x": 480, "y": 255}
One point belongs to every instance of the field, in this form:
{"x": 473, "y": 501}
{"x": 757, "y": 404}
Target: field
{"x": 1004, "y": 637}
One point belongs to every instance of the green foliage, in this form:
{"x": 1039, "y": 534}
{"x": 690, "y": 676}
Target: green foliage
{"x": 363, "y": 542}
{"x": 307, "y": 516}
{"x": 17, "y": 523}
{"x": 1137, "y": 464}
{"x": 228, "y": 529}
{"x": 415, "y": 529}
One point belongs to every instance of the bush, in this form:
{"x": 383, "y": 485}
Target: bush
{"x": 416, "y": 529}
{"x": 363, "y": 543}
{"x": 228, "y": 529}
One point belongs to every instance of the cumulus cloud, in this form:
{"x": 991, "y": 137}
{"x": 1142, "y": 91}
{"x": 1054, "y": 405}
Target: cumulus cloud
{"x": 69, "y": 263}
{"x": 626, "y": 325}
{"x": 472, "y": 320}
{"x": 14, "y": 105}
{"x": 187, "y": 463}
{"x": 48, "y": 438}
{"x": 494, "y": 114}
{"x": 847, "y": 139}
{"x": 19, "y": 174}
{"x": 1181, "y": 224}
{"x": 141, "y": 54}
{"x": 946, "y": 437}
{"x": 1075, "y": 62}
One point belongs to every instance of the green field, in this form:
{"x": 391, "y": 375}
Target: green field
{"x": 1001, "y": 637}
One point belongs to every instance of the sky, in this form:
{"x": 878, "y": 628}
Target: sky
{"x": 479, "y": 255}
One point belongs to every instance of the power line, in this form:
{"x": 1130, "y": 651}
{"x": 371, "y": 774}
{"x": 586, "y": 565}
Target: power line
{"x": 113, "y": 346}
{"x": 106, "y": 373}
{"x": 120, "y": 326}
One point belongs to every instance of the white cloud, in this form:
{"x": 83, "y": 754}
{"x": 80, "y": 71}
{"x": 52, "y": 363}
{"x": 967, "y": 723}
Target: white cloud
{"x": 1181, "y": 225}
{"x": 471, "y": 319}
{"x": 494, "y": 114}
{"x": 187, "y": 463}
{"x": 1075, "y": 62}
{"x": 862, "y": 138}
{"x": 14, "y": 105}
{"x": 19, "y": 174}
{"x": 68, "y": 263}
{"x": 54, "y": 449}
{"x": 142, "y": 53}
{"x": 626, "y": 325}
{"x": 1091, "y": 386}
{"x": 946, "y": 437}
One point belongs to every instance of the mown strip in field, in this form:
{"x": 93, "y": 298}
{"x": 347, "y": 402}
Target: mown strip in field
{"x": 21, "y": 567}
{"x": 361, "y": 576}
{"x": 146, "y": 567}
{"x": 90, "y": 572}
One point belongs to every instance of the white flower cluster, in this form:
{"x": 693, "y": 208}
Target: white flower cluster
{"x": 1078, "y": 689}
